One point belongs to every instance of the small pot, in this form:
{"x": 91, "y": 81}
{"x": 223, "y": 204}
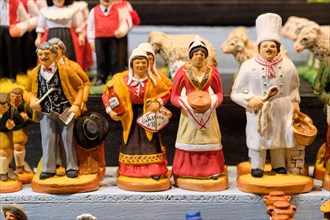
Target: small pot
{"x": 282, "y": 208}
{"x": 276, "y": 196}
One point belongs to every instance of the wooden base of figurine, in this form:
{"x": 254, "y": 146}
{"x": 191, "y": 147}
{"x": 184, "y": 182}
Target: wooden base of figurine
{"x": 326, "y": 182}
{"x": 319, "y": 168}
{"x": 288, "y": 183}
{"x": 65, "y": 185}
{"x": 202, "y": 185}
{"x": 25, "y": 177}
{"x": 143, "y": 184}
{"x": 245, "y": 168}
{"x": 10, "y": 186}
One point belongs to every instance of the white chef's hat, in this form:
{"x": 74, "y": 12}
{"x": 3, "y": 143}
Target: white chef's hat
{"x": 197, "y": 43}
{"x": 268, "y": 27}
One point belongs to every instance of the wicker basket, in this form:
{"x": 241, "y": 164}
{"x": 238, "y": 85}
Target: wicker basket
{"x": 304, "y": 131}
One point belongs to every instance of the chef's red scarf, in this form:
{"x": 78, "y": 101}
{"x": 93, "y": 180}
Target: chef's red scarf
{"x": 270, "y": 71}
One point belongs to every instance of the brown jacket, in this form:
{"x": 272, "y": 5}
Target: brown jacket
{"x": 72, "y": 85}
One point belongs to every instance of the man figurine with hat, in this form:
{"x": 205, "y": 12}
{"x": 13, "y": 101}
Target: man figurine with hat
{"x": 268, "y": 120}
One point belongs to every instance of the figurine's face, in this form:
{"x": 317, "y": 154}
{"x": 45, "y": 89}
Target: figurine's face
{"x": 59, "y": 51}
{"x": 4, "y": 108}
{"x": 46, "y": 57}
{"x": 198, "y": 58}
{"x": 140, "y": 68}
{"x": 106, "y": 3}
{"x": 15, "y": 99}
{"x": 268, "y": 50}
{"x": 58, "y": 3}
{"x": 151, "y": 59}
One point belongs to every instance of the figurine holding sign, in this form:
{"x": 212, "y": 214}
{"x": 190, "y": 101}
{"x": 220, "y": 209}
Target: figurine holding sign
{"x": 142, "y": 164}
{"x": 198, "y": 160}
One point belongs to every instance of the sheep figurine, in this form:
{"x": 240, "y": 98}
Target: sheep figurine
{"x": 174, "y": 49}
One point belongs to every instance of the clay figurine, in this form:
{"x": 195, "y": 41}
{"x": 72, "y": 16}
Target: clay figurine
{"x": 321, "y": 89}
{"x": 12, "y": 16}
{"x": 14, "y": 212}
{"x": 142, "y": 162}
{"x": 59, "y": 20}
{"x": 10, "y": 120}
{"x": 103, "y": 29}
{"x": 174, "y": 49}
{"x": 86, "y": 217}
{"x": 198, "y": 161}
{"x": 269, "y": 114}
{"x": 23, "y": 169}
{"x": 56, "y": 92}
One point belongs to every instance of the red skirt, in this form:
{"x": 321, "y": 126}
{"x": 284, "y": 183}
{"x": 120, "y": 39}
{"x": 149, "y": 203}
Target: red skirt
{"x": 199, "y": 164}
{"x": 142, "y": 171}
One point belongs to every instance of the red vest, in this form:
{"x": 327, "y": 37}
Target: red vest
{"x": 105, "y": 26}
{"x": 13, "y": 5}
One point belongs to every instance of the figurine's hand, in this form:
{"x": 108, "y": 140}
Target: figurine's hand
{"x": 37, "y": 41}
{"x": 119, "y": 34}
{"x": 153, "y": 106}
{"x": 255, "y": 103}
{"x": 296, "y": 108}
{"x": 10, "y": 124}
{"x": 76, "y": 110}
{"x": 14, "y": 31}
{"x": 34, "y": 104}
{"x": 81, "y": 40}
{"x": 114, "y": 116}
{"x": 92, "y": 44}
{"x": 24, "y": 116}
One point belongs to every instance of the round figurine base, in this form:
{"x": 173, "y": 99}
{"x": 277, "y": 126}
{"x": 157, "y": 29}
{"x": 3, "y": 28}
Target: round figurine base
{"x": 326, "y": 182}
{"x": 10, "y": 186}
{"x": 202, "y": 185}
{"x": 245, "y": 168}
{"x": 25, "y": 177}
{"x": 288, "y": 183}
{"x": 64, "y": 184}
{"x": 143, "y": 184}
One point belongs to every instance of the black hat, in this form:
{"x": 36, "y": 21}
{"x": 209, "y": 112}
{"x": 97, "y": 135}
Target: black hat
{"x": 91, "y": 129}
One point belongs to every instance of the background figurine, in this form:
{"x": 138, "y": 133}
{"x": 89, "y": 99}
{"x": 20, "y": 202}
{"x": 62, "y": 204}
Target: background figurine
{"x": 12, "y": 16}
{"x": 10, "y": 120}
{"x": 322, "y": 90}
{"x": 142, "y": 163}
{"x": 20, "y": 136}
{"x": 59, "y": 20}
{"x": 14, "y": 212}
{"x": 174, "y": 49}
{"x": 198, "y": 148}
{"x": 103, "y": 29}
{"x": 268, "y": 122}
{"x": 66, "y": 96}
{"x": 86, "y": 217}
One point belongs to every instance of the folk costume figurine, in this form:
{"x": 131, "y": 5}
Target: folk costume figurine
{"x": 27, "y": 59}
{"x": 322, "y": 90}
{"x": 267, "y": 87}
{"x": 152, "y": 60}
{"x": 10, "y": 120}
{"x": 23, "y": 169}
{"x": 56, "y": 93}
{"x": 103, "y": 28}
{"x": 128, "y": 17}
{"x": 14, "y": 21}
{"x": 198, "y": 160}
{"x": 59, "y": 20}
{"x": 14, "y": 212}
{"x": 142, "y": 163}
